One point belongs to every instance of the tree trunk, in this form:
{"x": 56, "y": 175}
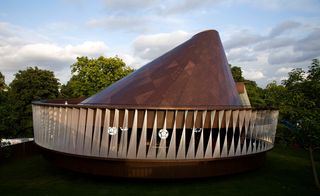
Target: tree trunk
{"x": 314, "y": 169}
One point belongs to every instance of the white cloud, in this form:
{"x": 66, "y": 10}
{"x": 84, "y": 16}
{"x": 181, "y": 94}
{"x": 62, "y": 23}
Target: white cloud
{"x": 241, "y": 55}
{"x": 284, "y": 27}
{"x": 284, "y": 70}
{"x": 151, "y": 46}
{"x": 277, "y": 5}
{"x": 121, "y": 22}
{"x": 17, "y": 52}
{"x": 253, "y": 74}
{"x": 242, "y": 38}
{"x": 131, "y": 5}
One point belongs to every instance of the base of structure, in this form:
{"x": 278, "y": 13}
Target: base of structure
{"x": 156, "y": 169}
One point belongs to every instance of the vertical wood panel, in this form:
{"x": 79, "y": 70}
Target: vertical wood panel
{"x": 217, "y": 150}
{"x": 62, "y": 127}
{"x": 247, "y": 134}
{"x": 152, "y": 152}
{"x": 35, "y": 121}
{"x": 209, "y": 153}
{"x": 74, "y": 130}
{"x": 182, "y": 146}
{"x": 50, "y": 128}
{"x": 81, "y": 131}
{"x": 132, "y": 151}
{"x": 242, "y": 114}
{"x": 235, "y": 115}
{"x": 191, "y": 151}
{"x": 56, "y": 112}
{"x": 200, "y": 150}
{"x": 224, "y": 152}
{"x": 113, "y": 149}
{"x": 69, "y": 130}
{"x": 88, "y": 135}
{"x": 96, "y": 134}
{"x": 163, "y": 145}
{"x": 123, "y": 146}
{"x": 142, "y": 150}
{"x": 104, "y": 149}
{"x": 252, "y": 127}
{"x": 172, "y": 145}
{"x": 46, "y": 126}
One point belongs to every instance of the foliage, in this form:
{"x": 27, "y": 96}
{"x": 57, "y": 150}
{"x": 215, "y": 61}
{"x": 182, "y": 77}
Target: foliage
{"x": 3, "y": 85}
{"x": 274, "y": 95}
{"x": 3, "y": 107}
{"x": 89, "y": 76}
{"x": 28, "y": 85}
{"x": 236, "y": 73}
{"x": 302, "y": 104}
{"x": 255, "y": 93}
{"x": 302, "y": 108}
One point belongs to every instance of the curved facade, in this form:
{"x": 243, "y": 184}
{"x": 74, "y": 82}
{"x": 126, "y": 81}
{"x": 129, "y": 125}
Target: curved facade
{"x": 178, "y": 116}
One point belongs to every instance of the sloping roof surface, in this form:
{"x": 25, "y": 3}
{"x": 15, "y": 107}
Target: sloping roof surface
{"x": 193, "y": 75}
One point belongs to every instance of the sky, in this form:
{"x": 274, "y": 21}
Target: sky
{"x": 266, "y": 38}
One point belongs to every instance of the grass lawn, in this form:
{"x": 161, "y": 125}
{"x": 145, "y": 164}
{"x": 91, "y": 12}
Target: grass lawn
{"x": 286, "y": 172}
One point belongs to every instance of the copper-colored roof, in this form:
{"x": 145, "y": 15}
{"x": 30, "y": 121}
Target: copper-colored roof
{"x": 240, "y": 87}
{"x": 193, "y": 75}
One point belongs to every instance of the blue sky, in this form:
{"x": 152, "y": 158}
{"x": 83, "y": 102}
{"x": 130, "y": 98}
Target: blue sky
{"x": 267, "y": 38}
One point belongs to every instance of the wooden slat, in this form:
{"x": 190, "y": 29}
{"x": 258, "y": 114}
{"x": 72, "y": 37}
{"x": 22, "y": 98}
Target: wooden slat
{"x": 182, "y": 146}
{"x": 81, "y": 131}
{"x": 123, "y": 146}
{"x": 113, "y": 149}
{"x": 142, "y": 149}
{"x": 88, "y": 135}
{"x": 104, "y": 149}
{"x": 200, "y": 149}
{"x": 208, "y": 153}
{"x": 217, "y": 151}
{"x": 172, "y": 145}
{"x": 163, "y": 145}
{"x": 152, "y": 152}
{"x": 132, "y": 151}
{"x": 74, "y": 130}
{"x": 191, "y": 150}
{"x": 224, "y": 152}
{"x": 235, "y": 115}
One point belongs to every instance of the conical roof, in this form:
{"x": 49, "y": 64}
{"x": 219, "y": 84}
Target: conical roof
{"x": 194, "y": 75}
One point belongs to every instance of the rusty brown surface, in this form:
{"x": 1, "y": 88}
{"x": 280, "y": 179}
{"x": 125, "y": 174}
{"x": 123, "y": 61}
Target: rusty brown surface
{"x": 156, "y": 169}
{"x": 195, "y": 75}
{"x": 240, "y": 87}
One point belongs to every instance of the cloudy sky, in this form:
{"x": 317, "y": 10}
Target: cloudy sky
{"x": 267, "y": 38}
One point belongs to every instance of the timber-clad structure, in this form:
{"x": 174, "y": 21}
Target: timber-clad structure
{"x": 181, "y": 115}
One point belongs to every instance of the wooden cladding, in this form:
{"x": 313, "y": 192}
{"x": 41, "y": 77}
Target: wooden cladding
{"x": 134, "y": 134}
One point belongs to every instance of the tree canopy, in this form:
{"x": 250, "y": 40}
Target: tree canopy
{"x": 2, "y": 82}
{"x": 89, "y": 76}
{"x": 255, "y": 93}
{"x": 28, "y": 85}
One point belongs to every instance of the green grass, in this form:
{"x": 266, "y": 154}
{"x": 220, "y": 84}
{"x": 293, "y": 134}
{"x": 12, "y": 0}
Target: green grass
{"x": 286, "y": 172}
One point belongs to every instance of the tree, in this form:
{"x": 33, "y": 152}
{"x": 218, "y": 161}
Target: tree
{"x": 28, "y": 85}
{"x": 3, "y": 107}
{"x": 90, "y": 76}
{"x": 3, "y": 85}
{"x": 236, "y": 73}
{"x": 302, "y": 108}
{"x": 255, "y": 93}
{"x": 274, "y": 95}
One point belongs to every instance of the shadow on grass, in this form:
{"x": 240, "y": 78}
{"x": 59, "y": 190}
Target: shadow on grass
{"x": 286, "y": 172}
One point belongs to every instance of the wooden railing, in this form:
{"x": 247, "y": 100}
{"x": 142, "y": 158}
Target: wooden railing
{"x": 153, "y": 134}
